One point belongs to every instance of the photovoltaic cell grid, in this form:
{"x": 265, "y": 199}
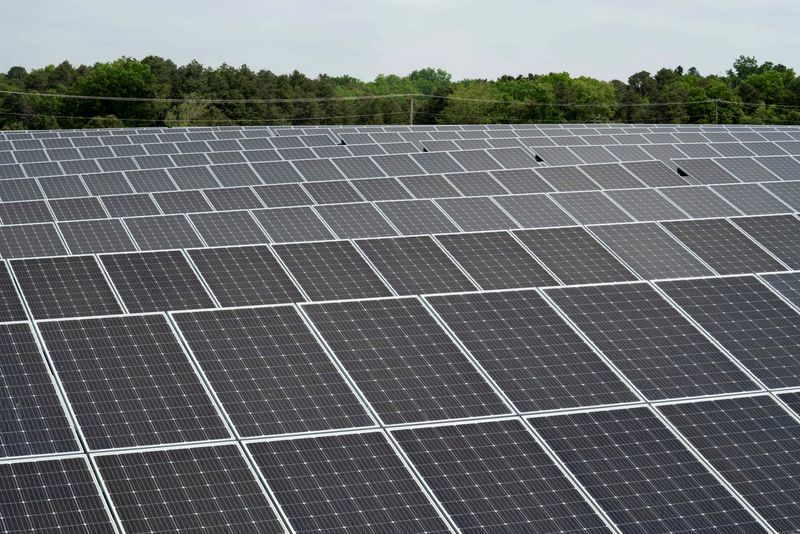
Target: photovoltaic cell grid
{"x": 268, "y": 374}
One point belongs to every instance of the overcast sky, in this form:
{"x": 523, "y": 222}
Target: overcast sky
{"x": 469, "y": 38}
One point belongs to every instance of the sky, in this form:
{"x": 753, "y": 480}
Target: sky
{"x": 608, "y": 39}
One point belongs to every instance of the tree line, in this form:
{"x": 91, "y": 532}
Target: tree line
{"x": 159, "y": 93}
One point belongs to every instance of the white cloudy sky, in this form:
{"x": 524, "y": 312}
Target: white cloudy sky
{"x": 469, "y": 38}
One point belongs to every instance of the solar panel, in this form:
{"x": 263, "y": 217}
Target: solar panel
{"x": 556, "y": 155}
{"x": 650, "y": 251}
{"x": 28, "y": 240}
{"x": 429, "y": 186}
{"x": 331, "y": 270}
{"x": 475, "y": 184}
{"x": 332, "y": 192}
{"x": 155, "y": 281}
{"x": 129, "y": 382}
{"x": 307, "y": 477}
{"x": 496, "y": 260}
{"x": 534, "y": 357}
{"x": 591, "y": 207}
{"x": 755, "y": 325}
{"x": 567, "y": 178}
{"x": 188, "y": 489}
{"x": 398, "y": 165}
{"x": 225, "y": 228}
{"x": 57, "y": 495}
{"x": 277, "y": 172}
{"x": 436, "y": 162}
{"x": 783, "y": 167}
{"x": 283, "y": 195}
{"x": 699, "y": 201}
{"x": 475, "y": 160}
{"x": 233, "y": 198}
{"x": 722, "y": 246}
{"x": 413, "y": 217}
{"x": 244, "y": 276}
{"x": 179, "y": 202}
{"x": 654, "y": 173}
{"x": 650, "y": 341}
{"x": 787, "y": 192}
{"x": 139, "y": 204}
{"x": 358, "y": 167}
{"x": 522, "y": 181}
{"x": 513, "y": 157}
{"x": 751, "y": 199}
{"x": 755, "y": 444}
{"x": 574, "y": 256}
{"x": 162, "y": 232}
{"x": 284, "y": 225}
{"x": 777, "y": 233}
{"x": 745, "y": 169}
{"x": 476, "y": 214}
{"x": 405, "y": 364}
{"x": 646, "y": 204}
{"x": 611, "y": 176}
{"x": 374, "y": 189}
{"x": 92, "y": 237}
{"x": 705, "y": 171}
{"x": 641, "y": 474}
{"x": 352, "y": 221}
{"x": 314, "y": 170}
{"x": 71, "y": 286}
{"x": 787, "y": 284}
{"x": 472, "y": 469}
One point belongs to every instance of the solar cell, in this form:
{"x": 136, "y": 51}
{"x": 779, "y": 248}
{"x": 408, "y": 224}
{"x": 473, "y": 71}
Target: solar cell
{"x": 190, "y": 489}
{"x": 496, "y": 260}
{"x": 268, "y": 371}
{"x": 155, "y": 281}
{"x": 574, "y": 256}
{"x": 415, "y": 265}
{"x": 754, "y": 444}
{"x": 66, "y": 286}
{"x": 641, "y": 474}
{"x": 778, "y": 234}
{"x": 650, "y": 342}
{"x": 650, "y": 251}
{"x": 405, "y": 364}
{"x": 307, "y": 477}
{"x": 57, "y": 495}
{"x": 722, "y": 246}
{"x": 471, "y": 468}
{"x": 228, "y": 228}
{"x": 352, "y": 221}
{"x": 162, "y": 232}
{"x": 129, "y": 382}
{"x": 331, "y": 270}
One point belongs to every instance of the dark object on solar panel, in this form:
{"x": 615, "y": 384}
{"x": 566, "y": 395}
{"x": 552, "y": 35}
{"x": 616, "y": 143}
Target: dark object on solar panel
{"x": 415, "y": 265}
{"x": 225, "y": 228}
{"x": 591, "y": 207}
{"x": 574, "y": 256}
{"x": 780, "y": 234}
{"x": 283, "y": 195}
{"x": 787, "y": 284}
{"x": 612, "y": 176}
{"x": 646, "y": 204}
{"x": 336, "y": 192}
{"x": 375, "y": 189}
{"x": 654, "y": 173}
{"x": 567, "y": 178}
{"x": 413, "y": 217}
{"x": 750, "y": 321}
{"x": 476, "y": 214}
{"x": 93, "y": 237}
{"x": 129, "y": 382}
{"x": 156, "y": 281}
{"x": 473, "y": 184}
{"x": 57, "y": 495}
{"x": 496, "y": 260}
{"x": 651, "y": 343}
{"x": 307, "y": 477}
{"x": 751, "y": 199}
{"x": 34, "y": 421}
{"x": 650, "y": 251}
{"x": 521, "y": 181}
{"x": 746, "y": 169}
{"x": 704, "y": 171}
{"x": 331, "y": 270}
{"x": 177, "y": 202}
{"x": 352, "y": 221}
{"x": 723, "y": 246}
{"x": 139, "y": 204}
{"x": 233, "y": 198}
{"x": 162, "y": 232}
{"x": 534, "y": 211}
{"x": 59, "y": 287}
{"x": 748, "y": 440}
{"x": 286, "y": 225}
{"x": 407, "y": 367}
{"x": 244, "y": 276}
{"x": 538, "y": 361}
{"x": 187, "y": 490}
{"x": 470, "y": 468}
{"x": 269, "y": 372}
{"x": 700, "y": 201}
{"x": 641, "y": 474}
{"x": 785, "y": 167}
{"x": 25, "y": 212}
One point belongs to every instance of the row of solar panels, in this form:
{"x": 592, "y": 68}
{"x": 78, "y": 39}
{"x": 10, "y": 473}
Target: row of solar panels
{"x": 154, "y": 380}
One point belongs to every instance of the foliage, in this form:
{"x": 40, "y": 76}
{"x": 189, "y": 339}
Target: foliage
{"x": 164, "y": 93}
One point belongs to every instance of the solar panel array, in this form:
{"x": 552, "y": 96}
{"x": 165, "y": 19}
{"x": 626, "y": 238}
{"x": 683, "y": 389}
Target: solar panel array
{"x": 503, "y": 328}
